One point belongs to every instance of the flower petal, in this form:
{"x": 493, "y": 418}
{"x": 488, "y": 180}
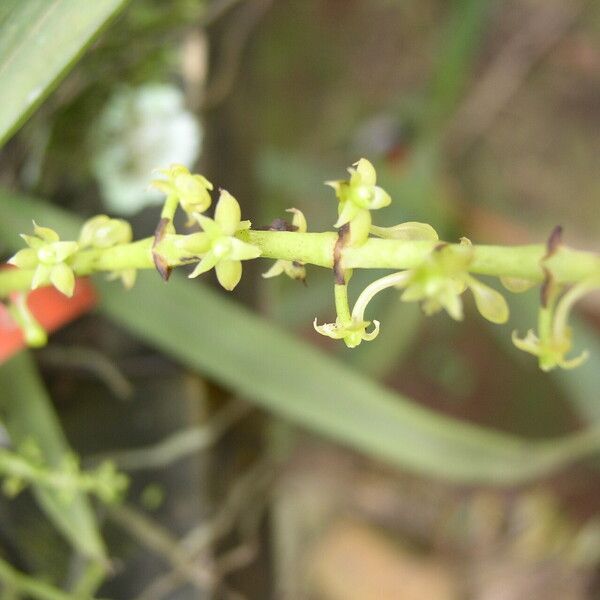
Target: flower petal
{"x": 490, "y": 303}
{"x": 516, "y": 285}
{"x": 530, "y": 343}
{"x": 410, "y": 231}
{"x": 332, "y": 330}
{"x": 373, "y": 334}
{"x": 365, "y": 173}
{"x": 128, "y": 277}
{"x": 63, "y": 279}
{"x": 348, "y": 210}
{"x": 24, "y": 259}
{"x": 208, "y": 225}
{"x": 229, "y": 273}
{"x": 40, "y": 276}
{"x": 32, "y": 241}
{"x": 379, "y": 198}
{"x": 228, "y": 213}
{"x": 573, "y": 363}
{"x": 277, "y": 268}
{"x": 45, "y": 233}
{"x": 453, "y": 305}
{"x": 242, "y": 250}
{"x": 298, "y": 221}
{"x": 339, "y": 187}
{"x": 206, "y": 264}
{"x": 166, "y": 187}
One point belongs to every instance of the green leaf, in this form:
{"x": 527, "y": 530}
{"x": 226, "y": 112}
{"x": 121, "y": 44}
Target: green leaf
{"x": 28, "y": 413}
{"x": 39, "y": 42}
{"x": 220, "y": 338}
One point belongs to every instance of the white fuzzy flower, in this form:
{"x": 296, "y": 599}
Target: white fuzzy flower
{"x": 139, "y": 129}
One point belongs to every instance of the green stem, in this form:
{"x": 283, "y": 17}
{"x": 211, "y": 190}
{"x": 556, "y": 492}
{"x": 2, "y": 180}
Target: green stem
{"x": 342, "y": 307}
{"x": 567, "y": 265}
{"x": 28, "y": 586}
{"x": 169, "y": 209}
{"x": 17, "y": 467}
{"x": 358, "y": 312}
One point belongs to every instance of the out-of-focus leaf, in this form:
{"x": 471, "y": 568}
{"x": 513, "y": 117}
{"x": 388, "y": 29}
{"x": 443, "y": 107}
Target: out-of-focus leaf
{"x": 457, "y": 55}
{"x": 39, "y": 41}
{"x": 28, "y": 413}
{"x": 215, "y": 335}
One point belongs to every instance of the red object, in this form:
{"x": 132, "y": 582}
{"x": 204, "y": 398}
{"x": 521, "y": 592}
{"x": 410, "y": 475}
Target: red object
{"x": 51, "y": 309}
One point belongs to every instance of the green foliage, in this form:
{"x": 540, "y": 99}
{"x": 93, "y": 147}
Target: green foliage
{"x": 28, "y": 414}
{"x": 39, "y": 41}
{"x": 219, "y": 338}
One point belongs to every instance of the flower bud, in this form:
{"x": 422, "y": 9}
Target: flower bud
{"x": 103, "y": 232}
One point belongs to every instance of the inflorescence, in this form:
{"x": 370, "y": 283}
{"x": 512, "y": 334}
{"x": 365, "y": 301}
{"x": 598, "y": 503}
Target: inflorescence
{"x": 437, "y": 281}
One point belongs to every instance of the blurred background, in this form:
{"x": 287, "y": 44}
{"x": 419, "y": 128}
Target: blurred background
{"x": 482, "y": 118}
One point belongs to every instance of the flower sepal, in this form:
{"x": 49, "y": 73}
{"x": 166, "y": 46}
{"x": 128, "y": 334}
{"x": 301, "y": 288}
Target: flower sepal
{"x": 353, "y": 332}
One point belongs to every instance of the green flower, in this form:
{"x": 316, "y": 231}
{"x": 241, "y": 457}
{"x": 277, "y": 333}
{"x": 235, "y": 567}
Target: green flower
{"x": 224, "y": 251}
{"x": 48, "y": 255}
{"x": 293, "y": 269}
{"x": 353, "y": 332}
{"x": 554, "y": 338}
{"x": 440, "y": 281}
{"x": 103, "y": 232}
{"x": 359, "y": 193}
{"x": 357, "y": 197}
{"x": 192, "y": 191}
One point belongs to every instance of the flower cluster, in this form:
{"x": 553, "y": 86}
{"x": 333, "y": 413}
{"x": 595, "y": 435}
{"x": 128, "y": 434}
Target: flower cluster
{"x": 437, "y": 283}
{"x": 438, "y": 280}
{"x": 217, "y": 245}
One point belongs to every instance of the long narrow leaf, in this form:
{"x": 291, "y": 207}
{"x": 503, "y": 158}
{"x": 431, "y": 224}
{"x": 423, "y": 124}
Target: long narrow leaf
{"x": 39, "y": 41}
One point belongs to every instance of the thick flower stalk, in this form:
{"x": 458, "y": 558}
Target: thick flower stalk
{"x": 434, "y": 273}
{"x": 292, "y": 268}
